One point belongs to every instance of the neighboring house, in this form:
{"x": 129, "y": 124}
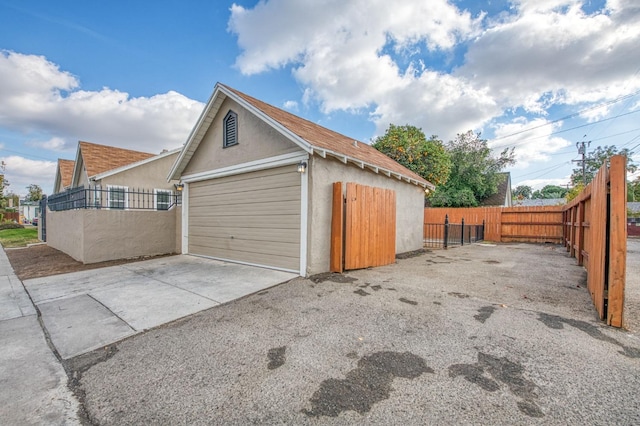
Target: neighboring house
{"x": 29, "y": 210}
{"x": 119, "y": 204}
{"x": 502, "y": 198}
{"x": 258, "y": 185}
{"x": 64, "y": 175}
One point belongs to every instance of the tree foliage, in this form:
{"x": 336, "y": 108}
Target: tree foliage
{"x": 475, "y": 172}
{"x": 550, "y": 191}
{"x": 595, "y": 159}
{"x": 35, "y": 192}
{"x": 409, "y": 147}
{"x": 633, "y": 190}
{"x": 522, "y": 192}
{"x": 574, "y": 192}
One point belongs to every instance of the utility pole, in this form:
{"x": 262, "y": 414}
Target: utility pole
{"x": 582, "y": 150}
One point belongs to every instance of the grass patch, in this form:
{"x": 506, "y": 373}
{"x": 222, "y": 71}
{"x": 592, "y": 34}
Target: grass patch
{"x": 18, "y": 237}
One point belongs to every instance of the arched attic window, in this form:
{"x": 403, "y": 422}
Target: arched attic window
{"x": 230, "y": 131}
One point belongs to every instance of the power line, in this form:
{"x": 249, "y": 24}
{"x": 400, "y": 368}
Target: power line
{"x": 575, "y": 114}
{"x": 566, "y": 130}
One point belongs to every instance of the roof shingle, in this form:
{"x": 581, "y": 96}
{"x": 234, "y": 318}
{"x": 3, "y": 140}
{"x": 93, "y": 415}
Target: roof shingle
{"x": 66, "y": 171}
{"x": 101, "y": 158}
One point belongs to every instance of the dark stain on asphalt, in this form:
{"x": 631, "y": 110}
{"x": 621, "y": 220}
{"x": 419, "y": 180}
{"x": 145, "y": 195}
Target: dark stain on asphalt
{"x": 276, "y": 357}
{"x": 333, "y": 277}
{"x": 410, "y": 302}
{"x": 352, "y": 355}
{"x": 433, "y": 262}
{"x": 557, "y": 322}
{"x": 484, "y": 313}
{"x": 365, "y": 385}
{"x": 361, "y": 292}
{"x": 437, "y": 303}
{"x": 458, "y": 295}
{"x": 410, "y": 254}
{"x": 500, "y": 370}
{"x": 376, "y": 287}
{"x": 491, "y": 262}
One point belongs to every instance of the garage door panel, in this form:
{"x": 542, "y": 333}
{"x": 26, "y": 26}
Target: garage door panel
{"x": 254, "y": 184}
{"x": 250, "y": 209}
{"x": 251, "y": 218}
{"x": 270, "y": 260}
{"x": 284, "y": 222}
{"x": 249, "y": 246}
{"x": 258, "y": 235}
{"x": 254, "y": 196}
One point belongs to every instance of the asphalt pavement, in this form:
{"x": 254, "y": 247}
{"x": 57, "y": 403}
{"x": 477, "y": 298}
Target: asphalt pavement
{"x": 481, "y": 334}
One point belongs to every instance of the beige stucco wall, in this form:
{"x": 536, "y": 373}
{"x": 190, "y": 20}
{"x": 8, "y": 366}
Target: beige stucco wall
{"x": 322, "y": 174}
{"x": 65, "y": 232}
{"x": 149, "y": 176}
{"x": 91, "y": 236}
{"x": 256, "y": 140}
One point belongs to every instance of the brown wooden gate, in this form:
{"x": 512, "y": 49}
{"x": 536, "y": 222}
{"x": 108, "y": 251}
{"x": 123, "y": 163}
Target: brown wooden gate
{"x": 363, "y": 228}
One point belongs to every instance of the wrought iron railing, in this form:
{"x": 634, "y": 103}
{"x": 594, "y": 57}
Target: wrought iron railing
{"x": 443, "y": 235}
{"x": 114, "y": 198}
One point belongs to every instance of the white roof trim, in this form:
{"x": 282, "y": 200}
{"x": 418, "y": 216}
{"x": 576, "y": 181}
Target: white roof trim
{"x": 133, "y": 165}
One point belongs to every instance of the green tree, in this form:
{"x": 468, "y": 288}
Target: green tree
{"x": 35, "y": 192}
{"x": 409, "y": 147}
{"x": 475, "y": 172}
{"x": 633, "y": 190}
{"x": 550, "y": 191}
{"x": 574, "y": 192}
{"x": 597, "y": 158}
{"x": 522, "y": 192}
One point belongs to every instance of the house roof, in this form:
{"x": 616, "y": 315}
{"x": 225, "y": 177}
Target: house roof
{"x": 504, "y": 190}
{"x": 311, "y": 137}
{"x": 101, "y": 158}
{"x": 111, "y": 172}
{"x": 66, "y": 171}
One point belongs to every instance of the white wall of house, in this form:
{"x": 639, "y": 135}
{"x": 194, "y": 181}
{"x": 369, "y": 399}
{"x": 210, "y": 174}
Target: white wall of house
{"x": 323, "y": 173}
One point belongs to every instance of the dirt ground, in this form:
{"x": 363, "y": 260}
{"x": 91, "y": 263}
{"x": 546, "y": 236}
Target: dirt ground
{"x": 42, "y": 261}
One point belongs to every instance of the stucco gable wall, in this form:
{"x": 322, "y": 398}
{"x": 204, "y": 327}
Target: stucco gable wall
{"x": 148, "y": 176}
{"x": 323, "y": 172}
{"x": 256, "y": 140}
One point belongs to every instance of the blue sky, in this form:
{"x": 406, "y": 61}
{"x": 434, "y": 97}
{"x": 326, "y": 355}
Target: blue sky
{"x": 538, "y": 75}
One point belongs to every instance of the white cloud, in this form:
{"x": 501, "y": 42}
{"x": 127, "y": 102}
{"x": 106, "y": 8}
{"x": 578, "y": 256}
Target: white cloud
{"x": 530, "y": 145}
{"x": 54, "y": 144}
{"x": 21, "y": 172}
{"x": 291, "y": 105}
{"x": 37, "y": 97}
{"x": 553, "y": 49}
{"x": 368, "y": 56}
{"x": 337, "y": 50}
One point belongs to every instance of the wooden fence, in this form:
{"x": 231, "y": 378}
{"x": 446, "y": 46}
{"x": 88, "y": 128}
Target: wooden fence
{"x": 595, "y": 233}
{"x": 539, "y": 224}
{"x": 363, "y": 228}
{"x": 593, "y": 227}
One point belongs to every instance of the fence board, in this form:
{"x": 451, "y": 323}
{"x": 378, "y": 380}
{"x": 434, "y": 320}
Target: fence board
{"x": 337, "y": 225}
{"x": 507, "y": 224}
{"x": 617, "y": 240}
{"x": 369, "y": 227}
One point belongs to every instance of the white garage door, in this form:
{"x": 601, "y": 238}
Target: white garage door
{"x": 251, "y": 218}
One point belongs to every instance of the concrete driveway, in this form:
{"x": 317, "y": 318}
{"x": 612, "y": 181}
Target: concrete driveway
{"x": 87, "y": 310}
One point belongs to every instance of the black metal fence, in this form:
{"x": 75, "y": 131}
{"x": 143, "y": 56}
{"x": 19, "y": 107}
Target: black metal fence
{"x": 114, "y": 198}
{"x": 443, "y": 235}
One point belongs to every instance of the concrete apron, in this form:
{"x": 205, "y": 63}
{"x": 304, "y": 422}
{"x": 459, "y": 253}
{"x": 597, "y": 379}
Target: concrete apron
{"x": 83, "y": 311}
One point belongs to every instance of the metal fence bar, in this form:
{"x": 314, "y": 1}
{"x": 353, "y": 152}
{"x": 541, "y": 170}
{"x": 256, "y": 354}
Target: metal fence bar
{"x": 448, "y": 234}
{"x": 119, "y": 198}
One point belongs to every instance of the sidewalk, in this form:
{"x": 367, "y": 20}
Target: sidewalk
{"x": 34, "y": 384}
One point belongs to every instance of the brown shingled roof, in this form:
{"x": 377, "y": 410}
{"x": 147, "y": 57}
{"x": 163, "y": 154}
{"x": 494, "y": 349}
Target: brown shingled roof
{"x": 66, "y": 171}
{"x": 101, "y": 158}
{"x": 323, "y": 138}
